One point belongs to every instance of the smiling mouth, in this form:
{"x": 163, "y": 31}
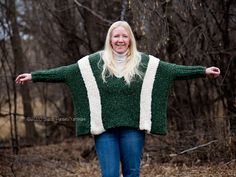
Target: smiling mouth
{"x": 120, "y": 45}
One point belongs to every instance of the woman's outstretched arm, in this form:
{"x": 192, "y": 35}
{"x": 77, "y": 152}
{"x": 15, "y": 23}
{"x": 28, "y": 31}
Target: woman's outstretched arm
{"x": 53, "y": 75}
{"x": 182, "y": 72}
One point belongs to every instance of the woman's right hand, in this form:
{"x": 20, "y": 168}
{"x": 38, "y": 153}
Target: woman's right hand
{"x": 22, "y": 78}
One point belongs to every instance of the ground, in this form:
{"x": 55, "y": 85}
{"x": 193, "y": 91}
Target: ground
{"x": 69, "y": 159}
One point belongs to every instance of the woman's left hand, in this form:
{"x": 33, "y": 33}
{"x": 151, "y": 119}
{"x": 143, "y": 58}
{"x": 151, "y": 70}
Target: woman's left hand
{"x": 212, "y": 72}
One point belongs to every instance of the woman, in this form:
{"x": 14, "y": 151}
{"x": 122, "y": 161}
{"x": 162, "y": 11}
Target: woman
{"x": 118, "y": 95}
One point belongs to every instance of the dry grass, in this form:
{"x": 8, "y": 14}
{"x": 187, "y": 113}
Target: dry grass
{"x": 69, "y": 159}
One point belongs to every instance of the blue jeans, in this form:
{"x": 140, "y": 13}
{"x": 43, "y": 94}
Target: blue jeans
{"x": 117, "y": 145}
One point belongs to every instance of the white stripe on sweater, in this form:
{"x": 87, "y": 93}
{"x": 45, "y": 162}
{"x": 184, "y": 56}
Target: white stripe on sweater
{"x": 145, "y": 122}
{"x": 96, "y": 125}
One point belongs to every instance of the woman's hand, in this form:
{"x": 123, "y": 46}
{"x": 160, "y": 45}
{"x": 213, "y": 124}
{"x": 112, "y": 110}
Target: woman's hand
{"x": 212, "y": 72}
{"x": 22, "y": 78}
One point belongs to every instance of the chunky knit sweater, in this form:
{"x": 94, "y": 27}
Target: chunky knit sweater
{"x": 99, "y": 105}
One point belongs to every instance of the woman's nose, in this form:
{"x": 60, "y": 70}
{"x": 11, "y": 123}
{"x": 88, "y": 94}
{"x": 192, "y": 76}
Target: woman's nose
{"x": 120, "y": 39}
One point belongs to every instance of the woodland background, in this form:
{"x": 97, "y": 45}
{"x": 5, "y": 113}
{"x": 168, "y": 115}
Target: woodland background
{"x": 45, "y": 34}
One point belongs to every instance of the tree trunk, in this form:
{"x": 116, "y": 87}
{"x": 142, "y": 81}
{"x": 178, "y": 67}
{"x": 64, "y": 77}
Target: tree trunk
{"x": 31, "y": 132}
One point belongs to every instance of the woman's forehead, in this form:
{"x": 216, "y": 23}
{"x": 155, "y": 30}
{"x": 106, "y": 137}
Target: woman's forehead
{"x": 120, "y": 29}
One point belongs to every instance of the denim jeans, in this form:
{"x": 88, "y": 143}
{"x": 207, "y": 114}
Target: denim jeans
{"x": 117, "y": 145}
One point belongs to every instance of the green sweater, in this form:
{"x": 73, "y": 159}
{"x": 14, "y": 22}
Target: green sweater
{"x": 99, "y": 106}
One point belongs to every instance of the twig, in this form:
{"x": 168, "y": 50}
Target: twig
{"x": 194, "y": 148}
{"x": 227, "y": 70}
{"x": 12, "y": 170}
{"x": 92, "y": 12}
{"x": 233, "y": 160}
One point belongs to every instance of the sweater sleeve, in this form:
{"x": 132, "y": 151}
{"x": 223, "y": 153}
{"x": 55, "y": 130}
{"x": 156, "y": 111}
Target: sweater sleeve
{"x": 51, "y": 75}
{"x": 182, "y": 72}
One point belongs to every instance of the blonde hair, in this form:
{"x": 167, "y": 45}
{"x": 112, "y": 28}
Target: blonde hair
{"x": 133, "y": 56}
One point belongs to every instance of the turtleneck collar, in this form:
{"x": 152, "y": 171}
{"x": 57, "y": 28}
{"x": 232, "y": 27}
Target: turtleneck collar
{"x": 120, "y": 57}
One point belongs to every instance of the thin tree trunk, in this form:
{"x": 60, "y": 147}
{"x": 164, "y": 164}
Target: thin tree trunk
{"x": 124, "y": 5}
{"x": 31, "y": 132}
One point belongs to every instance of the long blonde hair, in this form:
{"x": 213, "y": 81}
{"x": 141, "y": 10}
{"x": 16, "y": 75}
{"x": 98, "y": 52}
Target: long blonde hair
{"x": 133, "y": 56}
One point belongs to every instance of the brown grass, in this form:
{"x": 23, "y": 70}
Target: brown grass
{"x": 70, "y": 159}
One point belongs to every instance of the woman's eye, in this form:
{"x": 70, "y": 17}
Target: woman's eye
{"x": 118, "y": 36}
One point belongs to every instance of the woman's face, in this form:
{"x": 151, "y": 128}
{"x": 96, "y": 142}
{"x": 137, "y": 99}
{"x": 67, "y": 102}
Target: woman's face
{"x": 120, "y": 39}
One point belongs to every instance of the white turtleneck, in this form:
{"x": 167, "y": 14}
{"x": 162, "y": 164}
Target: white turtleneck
{"x": 120, "y": 62}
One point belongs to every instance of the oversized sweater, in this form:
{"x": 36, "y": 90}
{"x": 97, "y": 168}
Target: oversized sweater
{"x": 100, "y": 105}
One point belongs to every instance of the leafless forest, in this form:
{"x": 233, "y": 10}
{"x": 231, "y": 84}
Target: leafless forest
{"x": 36, "y": 119}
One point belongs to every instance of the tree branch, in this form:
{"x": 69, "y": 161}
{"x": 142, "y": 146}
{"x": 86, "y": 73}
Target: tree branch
{"x": 92, "y": 12}
{"x": 194, "y": 148}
